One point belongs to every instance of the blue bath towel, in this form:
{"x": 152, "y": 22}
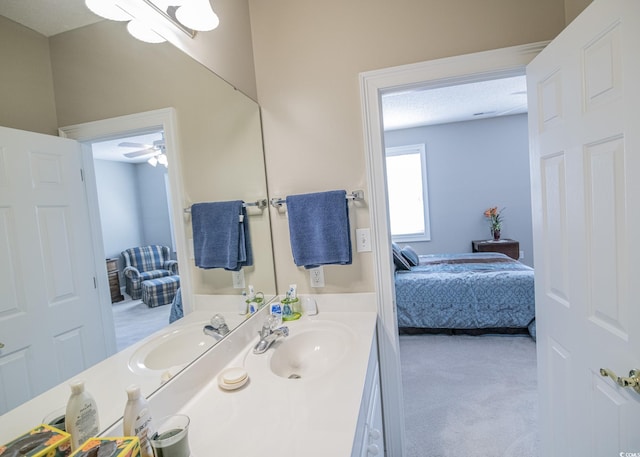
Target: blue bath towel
{"x": 319, "y": 228}
{"x": 220, "y": 240}
{"x": 176, "y": 308}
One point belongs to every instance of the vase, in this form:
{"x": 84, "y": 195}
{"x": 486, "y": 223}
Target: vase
{"x": 496, "y": 234}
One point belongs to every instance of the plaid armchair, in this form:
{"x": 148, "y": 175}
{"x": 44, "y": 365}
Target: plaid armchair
{"x": 146, "y": 262}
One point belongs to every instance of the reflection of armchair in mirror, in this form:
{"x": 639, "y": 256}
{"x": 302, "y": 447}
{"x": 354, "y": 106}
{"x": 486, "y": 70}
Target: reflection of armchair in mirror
{"x": 145, "y": 263}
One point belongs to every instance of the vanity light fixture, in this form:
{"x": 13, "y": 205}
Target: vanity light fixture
{"x": 187, "y": 15}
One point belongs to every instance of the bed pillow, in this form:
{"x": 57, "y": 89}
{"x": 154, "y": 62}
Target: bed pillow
{"x": 411, "y": 255}
{"x": 398, "y": 260}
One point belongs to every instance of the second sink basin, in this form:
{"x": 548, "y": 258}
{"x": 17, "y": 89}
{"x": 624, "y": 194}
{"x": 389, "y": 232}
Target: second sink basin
{"x": 311, "y": 350}
{"x": 174, "y": 348}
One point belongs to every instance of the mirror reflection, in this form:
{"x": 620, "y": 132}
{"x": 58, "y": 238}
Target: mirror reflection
{"x": 215, "y": 152}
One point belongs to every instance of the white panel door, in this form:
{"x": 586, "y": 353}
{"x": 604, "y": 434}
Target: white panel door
{"x": 50, "y": 321}
{"x": 584, "y": 126}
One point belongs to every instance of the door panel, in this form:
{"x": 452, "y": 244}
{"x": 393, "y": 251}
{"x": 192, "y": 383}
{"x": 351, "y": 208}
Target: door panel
{"x": 585, "y": 151}
{"x": 50, "y": 322}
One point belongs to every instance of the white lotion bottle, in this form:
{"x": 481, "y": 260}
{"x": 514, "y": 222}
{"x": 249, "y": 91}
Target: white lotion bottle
{"x": 137, "y": 420}
{"x": 81, "y": 416}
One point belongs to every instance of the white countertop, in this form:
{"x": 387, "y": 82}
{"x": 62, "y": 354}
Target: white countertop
{"x": 106, "y": 381}
{"x": 272, "y": 415}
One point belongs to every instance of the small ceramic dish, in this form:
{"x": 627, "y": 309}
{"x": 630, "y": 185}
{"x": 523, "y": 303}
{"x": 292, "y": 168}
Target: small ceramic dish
{"x": 232, "y": 378}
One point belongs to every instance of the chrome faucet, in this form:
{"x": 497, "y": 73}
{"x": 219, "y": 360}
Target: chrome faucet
{"x": 268, "y": 336}
{"x": 218, "y": 327}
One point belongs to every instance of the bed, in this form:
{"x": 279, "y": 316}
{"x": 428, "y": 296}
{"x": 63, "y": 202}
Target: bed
{"x": 464, "y": 291}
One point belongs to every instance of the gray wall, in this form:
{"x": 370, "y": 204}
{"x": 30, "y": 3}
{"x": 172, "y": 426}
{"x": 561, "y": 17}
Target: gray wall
{"x": 472, "y": 166}
{"x": 133, "y": 206}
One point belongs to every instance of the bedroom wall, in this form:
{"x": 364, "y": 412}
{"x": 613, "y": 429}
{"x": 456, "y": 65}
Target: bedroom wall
{"x": 119, "y": 212}
{"x": 154, "y": 213}
{"x": 133, "y": 206}
{"x": 308, "y": 56}
{"x": 472, "y": 166}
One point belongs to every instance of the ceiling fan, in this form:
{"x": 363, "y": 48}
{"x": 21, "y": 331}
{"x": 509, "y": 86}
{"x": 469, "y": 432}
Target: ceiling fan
{"x": 154, "y": 149}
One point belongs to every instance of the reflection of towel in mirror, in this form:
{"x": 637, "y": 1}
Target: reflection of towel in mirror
{"x": 319, "y": 228}
{"x": 220, "y": 239}
{"x": 176, "y": 308}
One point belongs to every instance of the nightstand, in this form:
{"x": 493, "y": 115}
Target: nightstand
{"x": 114, "y": 280}
{"x": 506, "y": 246}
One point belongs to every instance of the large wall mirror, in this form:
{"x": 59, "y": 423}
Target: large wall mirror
{"x": 100, "y": 72}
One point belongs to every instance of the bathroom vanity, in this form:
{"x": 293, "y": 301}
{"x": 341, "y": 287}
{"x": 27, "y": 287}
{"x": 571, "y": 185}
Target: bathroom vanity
{"x": 319, "y": 412}
{"x": 314, "y": 393}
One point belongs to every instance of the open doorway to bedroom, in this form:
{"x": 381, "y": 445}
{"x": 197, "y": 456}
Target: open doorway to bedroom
{"x": 454, "y": 407}
{"x": 134, "y": 200}
{"x": 452, "y": 152}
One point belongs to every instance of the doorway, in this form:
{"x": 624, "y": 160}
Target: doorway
{"x": 449, "y": 71}
{"x": 133, "y": 195}
{"x": 474, "y": 139}
{"x": 161, "y": 120}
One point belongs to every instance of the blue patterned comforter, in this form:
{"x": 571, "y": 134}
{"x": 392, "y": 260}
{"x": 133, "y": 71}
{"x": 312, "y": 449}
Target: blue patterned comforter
{"x": 465, "y": 291}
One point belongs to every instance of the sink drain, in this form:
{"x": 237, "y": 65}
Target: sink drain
{"x": 294, "y": 376}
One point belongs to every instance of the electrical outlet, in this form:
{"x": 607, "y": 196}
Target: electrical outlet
{"x": 363, "y": 240}
{"x": 521, "y": 255}
{"x": 317, "y": 277}
{"x": 238, "y": 279}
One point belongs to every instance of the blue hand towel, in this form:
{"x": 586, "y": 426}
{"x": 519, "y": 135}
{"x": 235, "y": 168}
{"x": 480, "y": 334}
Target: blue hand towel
{"x": 220, "y": 240}
{"x": 319, "y": 228}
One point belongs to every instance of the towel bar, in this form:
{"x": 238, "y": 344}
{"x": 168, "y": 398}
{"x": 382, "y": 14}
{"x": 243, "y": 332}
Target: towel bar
{"x": 260, "y": 204}
{"x": 356, "y": 195}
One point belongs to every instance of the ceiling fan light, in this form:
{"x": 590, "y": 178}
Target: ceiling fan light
{"x": 162, "y": 159}
{"x": 140, "y": 31}
{"x": 153, "y": 161}
{"x": 107, "y": 9}
{"x": 198, "y": 15}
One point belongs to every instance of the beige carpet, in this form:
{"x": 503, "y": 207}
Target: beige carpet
{"x": 472, "y": 396}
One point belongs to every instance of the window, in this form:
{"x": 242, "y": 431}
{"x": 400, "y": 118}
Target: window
{"x": 407, "y": 193}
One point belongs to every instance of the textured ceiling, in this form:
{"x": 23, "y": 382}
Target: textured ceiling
{"x": 48, "y": 17}
{"x": 109, "y": 149}
{"x": 464, "y": 102}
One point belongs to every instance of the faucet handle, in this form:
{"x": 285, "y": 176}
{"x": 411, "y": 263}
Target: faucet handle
{"x": 218, "y": 321}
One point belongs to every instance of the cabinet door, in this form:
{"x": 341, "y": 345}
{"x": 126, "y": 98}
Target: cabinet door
{"x": 373, "y": 441}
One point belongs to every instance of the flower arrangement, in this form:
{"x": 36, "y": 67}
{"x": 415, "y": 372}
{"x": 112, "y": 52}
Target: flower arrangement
{"x": 495, "y": 220}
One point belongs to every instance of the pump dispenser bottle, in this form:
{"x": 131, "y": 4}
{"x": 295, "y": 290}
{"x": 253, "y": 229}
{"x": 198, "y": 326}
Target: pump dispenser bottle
{"x": 137, "y": 420}
{"x": 81, "y": 416}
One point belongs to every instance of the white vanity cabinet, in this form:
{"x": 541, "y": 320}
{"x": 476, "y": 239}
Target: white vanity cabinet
{"x": 369, "y": 437}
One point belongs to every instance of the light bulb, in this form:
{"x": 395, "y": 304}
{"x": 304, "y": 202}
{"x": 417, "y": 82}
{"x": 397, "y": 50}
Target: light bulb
{"x": 108, "y": 10}
{"x": 140, "y": 31}
{"x": 198, "y": 15}
{"x": 152, "y": 161}
{"x": 162, "y": 159}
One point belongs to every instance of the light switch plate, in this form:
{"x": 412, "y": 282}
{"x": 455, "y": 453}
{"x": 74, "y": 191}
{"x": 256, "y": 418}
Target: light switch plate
{"x": 363, "y": 240}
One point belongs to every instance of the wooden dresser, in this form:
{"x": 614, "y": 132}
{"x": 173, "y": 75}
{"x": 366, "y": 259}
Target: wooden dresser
{"x": 506, "y": 246}
{"x": 114, "y": 280}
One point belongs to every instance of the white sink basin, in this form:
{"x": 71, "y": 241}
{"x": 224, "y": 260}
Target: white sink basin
{"x": 310, "y": 350}
{"x": 172, "y": 349}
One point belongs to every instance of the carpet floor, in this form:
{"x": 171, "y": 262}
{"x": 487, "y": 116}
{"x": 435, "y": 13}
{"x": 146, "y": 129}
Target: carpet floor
{"x": 133, "y": 321}
{"x": 472, "y": 396}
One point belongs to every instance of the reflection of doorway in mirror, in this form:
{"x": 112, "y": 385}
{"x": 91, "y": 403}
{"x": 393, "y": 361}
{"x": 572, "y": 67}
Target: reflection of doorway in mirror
{"x": 134, "y": 206}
